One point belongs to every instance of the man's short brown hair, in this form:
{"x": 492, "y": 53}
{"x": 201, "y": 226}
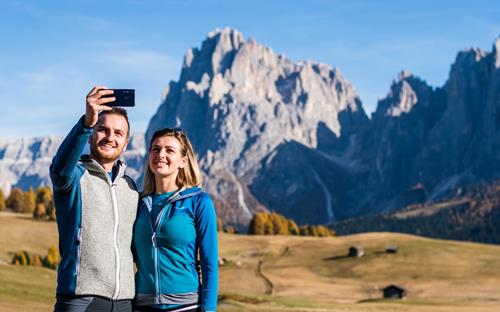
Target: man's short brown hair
{"x": 117, "y": 111}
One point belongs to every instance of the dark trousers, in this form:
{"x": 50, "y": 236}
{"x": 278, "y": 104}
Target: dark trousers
{"x": 90, "y": 304}
{"x": 184, "y": 308}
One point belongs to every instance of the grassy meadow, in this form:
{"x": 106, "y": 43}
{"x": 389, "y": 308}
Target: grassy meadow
{"x": 284, "y": 273}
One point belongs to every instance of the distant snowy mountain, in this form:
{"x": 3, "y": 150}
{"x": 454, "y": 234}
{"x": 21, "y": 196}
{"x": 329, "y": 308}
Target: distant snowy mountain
{"x": 292, "y": 137}
{"x": 25, "y": 162}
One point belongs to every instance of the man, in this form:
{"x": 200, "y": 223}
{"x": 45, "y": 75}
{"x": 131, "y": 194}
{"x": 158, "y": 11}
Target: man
{"x": 96, "y": 206}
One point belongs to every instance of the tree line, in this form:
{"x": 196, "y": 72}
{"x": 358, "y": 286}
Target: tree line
{"x": 39, "y": 202}
{"x": 264, "y": 223}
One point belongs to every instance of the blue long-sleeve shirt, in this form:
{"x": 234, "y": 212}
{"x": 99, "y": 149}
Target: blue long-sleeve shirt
{"x": 166, "y": 251}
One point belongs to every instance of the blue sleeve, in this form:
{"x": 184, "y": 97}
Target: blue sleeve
{"x": 206, "y": 232}
{"x": 63, "y": 167}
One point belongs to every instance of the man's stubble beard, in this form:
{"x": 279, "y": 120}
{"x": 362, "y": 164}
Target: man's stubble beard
{"x": 99, "y": 157}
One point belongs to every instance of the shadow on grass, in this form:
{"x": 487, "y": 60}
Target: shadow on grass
{"x": 239, "y": 298}
{"x": 338, "y": 258}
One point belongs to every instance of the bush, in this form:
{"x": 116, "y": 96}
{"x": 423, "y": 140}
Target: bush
{"x": 52, "y": 259}
{"x": 21, "y": 257}
{"x": 36, "y": 260}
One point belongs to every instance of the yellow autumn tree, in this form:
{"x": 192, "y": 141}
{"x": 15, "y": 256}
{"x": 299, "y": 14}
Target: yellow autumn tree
{"x": 29, "y": 201}
{"x": 44, "y": 196}
{"x": 52, "y": 259}
{"x": 3, "y": 202}
{"x": 292, "y": 227}
{"x": 15, "y": 200}
{"x": 40, "y": 212}
{"x": 259, "y": 224}
{"x": 280, "y": 224}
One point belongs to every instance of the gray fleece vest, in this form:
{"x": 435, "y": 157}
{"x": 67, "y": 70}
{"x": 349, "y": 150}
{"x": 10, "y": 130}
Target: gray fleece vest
{"x": 105, "y": 261}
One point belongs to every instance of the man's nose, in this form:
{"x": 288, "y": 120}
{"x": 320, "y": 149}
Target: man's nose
{"x": 110, "y": 135}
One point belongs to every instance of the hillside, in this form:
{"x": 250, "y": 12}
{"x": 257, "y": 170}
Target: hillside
{"x": 474, "y": 215}
{"x": 281, "y": 273}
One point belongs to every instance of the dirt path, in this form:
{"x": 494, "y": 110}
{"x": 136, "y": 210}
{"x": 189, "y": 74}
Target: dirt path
{"x": 269, "y": 284}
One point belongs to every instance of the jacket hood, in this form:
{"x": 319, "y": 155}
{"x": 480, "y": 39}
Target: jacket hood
{"x": 192, "y": 191}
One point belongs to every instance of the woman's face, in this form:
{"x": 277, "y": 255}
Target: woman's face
{"x": 165, "y": 157}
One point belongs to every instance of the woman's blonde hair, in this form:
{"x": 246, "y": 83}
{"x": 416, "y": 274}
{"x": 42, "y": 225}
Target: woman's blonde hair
{"x": 188, "y": 176}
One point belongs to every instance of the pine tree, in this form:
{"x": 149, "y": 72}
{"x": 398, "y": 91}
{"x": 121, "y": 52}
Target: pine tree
{"x": 3, "y": 202}
{"x": 15, "y": 200}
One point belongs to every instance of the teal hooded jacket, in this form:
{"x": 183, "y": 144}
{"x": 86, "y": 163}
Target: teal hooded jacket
{"x": 166, "y": 251}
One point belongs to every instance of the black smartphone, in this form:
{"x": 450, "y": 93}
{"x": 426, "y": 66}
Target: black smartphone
{"x": 124, "y": 97}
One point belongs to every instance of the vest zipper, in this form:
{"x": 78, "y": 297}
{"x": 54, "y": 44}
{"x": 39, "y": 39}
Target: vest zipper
{"x": 117, "y": 251}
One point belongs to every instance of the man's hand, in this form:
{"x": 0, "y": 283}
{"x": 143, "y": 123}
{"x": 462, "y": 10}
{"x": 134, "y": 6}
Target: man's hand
{"x": 96, "y": 103}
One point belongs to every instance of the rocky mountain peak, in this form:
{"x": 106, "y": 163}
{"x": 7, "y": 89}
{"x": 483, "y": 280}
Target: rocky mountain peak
{"x": 404, "y": 94}
{"x": 214, "y": 56}
{"x": 496, "y": 52}
{"x": 238, "y": 101}
{"x": 465, "y": 61}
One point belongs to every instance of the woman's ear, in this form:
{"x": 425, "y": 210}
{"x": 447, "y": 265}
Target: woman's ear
{"x": 184, "y": 162}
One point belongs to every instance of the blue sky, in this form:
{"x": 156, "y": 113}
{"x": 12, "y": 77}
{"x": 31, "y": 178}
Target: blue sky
{"x": 52, "y": 52}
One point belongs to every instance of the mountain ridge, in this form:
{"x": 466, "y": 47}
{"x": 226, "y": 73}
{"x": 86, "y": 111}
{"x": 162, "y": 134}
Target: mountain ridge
{"x": 293, "y": 137}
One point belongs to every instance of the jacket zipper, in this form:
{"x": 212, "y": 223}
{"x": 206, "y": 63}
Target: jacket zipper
{"x": 155, "y": 249}
{"x": 157, "y": 277}
{"x": 117, "y": 251}
{"x": 79, "y": 242}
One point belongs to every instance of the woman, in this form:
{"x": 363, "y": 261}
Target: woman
{"x": 175, "y": 222}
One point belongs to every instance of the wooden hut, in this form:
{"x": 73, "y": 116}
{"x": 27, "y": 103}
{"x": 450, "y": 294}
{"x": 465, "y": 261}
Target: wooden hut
{"x": 394, "y": 292}
{"x": 391, "y": 249}
{"x": 356, "y": 251}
